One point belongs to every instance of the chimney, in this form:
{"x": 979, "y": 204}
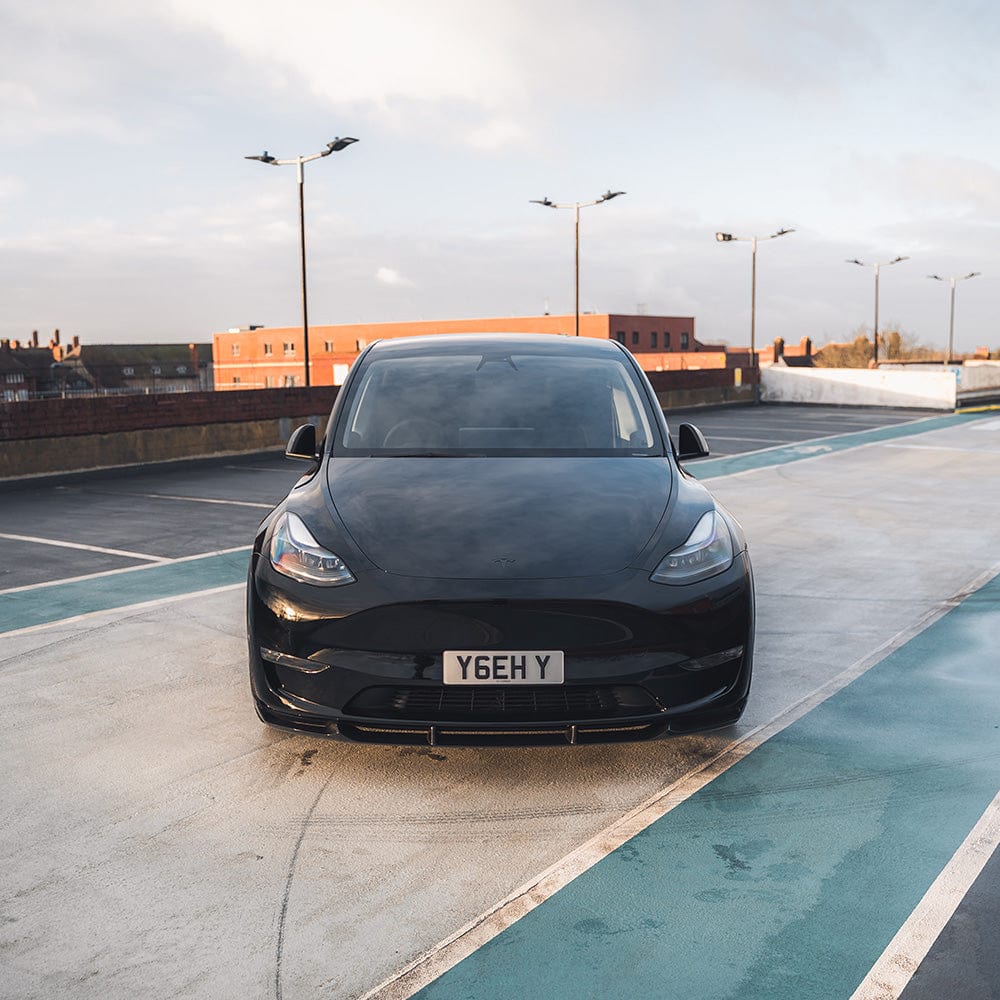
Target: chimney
{"x": 193, "y": 351}
{"x": 34, "y": 338}
{"x": 55, "y": 337}
{"x": 75, "y": 343}
{"x": 15, "y": 344}
{"x": 5, "y": 344}
{"x": 779, "y": 348}
{"x": 807, "y": 347}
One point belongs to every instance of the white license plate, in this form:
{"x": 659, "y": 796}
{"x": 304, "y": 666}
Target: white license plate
{"x": 520, "y": 666}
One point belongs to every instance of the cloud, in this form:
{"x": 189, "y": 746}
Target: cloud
{"x": 496, "y": 134}
{"x": 10, "y": 186}
{"x": 393, "y": 278}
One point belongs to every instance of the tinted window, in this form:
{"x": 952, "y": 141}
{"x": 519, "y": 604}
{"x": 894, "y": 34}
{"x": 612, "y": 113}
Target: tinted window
{"x": 531, "y": 403}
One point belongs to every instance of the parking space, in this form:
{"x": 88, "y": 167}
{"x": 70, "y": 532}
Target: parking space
{"x": 91, "y": 524}
{"x": 161, "y": 842}
{"x": 734, "y": 430}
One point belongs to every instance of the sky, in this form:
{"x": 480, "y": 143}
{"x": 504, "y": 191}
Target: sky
{"x": 129, "y": 214}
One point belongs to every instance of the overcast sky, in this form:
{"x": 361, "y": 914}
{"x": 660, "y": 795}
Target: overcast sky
{"x": 127, "y": 211}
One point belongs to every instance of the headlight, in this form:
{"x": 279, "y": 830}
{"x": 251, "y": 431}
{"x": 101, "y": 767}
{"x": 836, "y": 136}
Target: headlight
{"x": 295, "y": 553}
{"x": 707, "y": 551}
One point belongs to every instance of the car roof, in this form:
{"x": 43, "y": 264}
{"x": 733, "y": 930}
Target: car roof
{"x": 458, "y": 343}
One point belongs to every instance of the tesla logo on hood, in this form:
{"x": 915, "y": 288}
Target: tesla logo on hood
{"x": 504, "y": 563}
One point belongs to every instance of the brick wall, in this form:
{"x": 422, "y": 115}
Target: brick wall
{"x": 47, "y": 418}
{"x": 705, "y": 378}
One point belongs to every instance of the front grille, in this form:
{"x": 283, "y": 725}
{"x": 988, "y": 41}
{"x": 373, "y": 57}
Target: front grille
{"x": 548, "y": 703}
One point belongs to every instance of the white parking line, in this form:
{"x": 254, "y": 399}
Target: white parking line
{"x": 733, "y": 437}
{"x": 260, "y": 468}
{"x": 86, "y": 548}
{"x": 171, "y": 496}
{"x": 894, "y": 969}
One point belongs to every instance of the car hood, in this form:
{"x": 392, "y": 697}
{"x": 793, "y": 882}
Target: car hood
{"x": 500, "y": 518}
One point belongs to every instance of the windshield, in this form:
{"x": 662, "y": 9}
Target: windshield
{"x": 503, "y": 403}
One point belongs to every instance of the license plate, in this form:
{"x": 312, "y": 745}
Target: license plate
{"x": 521, "y": 666}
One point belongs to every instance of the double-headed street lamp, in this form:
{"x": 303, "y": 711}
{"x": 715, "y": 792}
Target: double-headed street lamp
{"x": 331, "y": 147}
{"x": 754, "y": 240}
{"x": 877, "y": 265}
{"x": 951, "y": 325}
{"x": 576, "y": 206}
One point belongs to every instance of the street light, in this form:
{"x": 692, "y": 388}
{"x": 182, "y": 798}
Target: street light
{"x": 951, "y": 325}
{"x": 331, "y": 147}
{"x": 576, "y": 206}
{"x": 729, "y": 238}
{"x": 877, "y": 265}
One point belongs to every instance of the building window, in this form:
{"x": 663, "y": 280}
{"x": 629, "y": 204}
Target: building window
{"x": 635, "y": 338}
{"x": 620, "y": 336}
{"x": 666, "y": 340}
{"x": 268, "y": 350}
{"x": 155, "y": 369}
{"x": 236, "y": 350}
{"x": 13, "y": 377}
{"x": 328, "y": 346}
{"x": 236, "y": 380}
{"x": 268, "y": 381}
{"x": 289, "y": 347}
{"x": 684, "y": 341}
{"x": 361, "y": 344}
{"x": 290, "y": 380}
{"x": 652, "y": 339}
{"x": 182, "y": 369}
{"x": 128, "y": 370}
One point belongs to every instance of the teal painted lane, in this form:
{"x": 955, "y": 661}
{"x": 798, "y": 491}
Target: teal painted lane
{"x": 711, "y": 467}
{"x": 54, "y": 602}
{"x": 788, "y": 875}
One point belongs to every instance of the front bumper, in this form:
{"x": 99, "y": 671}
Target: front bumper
{"x": 364, "y": 663}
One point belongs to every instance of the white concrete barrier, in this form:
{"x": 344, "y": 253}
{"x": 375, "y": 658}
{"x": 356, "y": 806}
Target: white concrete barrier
{"x": 929, "y": 390}
{"x": 979, "y": 376}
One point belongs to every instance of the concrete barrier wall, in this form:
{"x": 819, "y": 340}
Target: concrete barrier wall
{"x": 44, "y": 456}
{"x": 979, "y": 376}
{"x": 926, "y": 390}
{"x": 46, "y": 436}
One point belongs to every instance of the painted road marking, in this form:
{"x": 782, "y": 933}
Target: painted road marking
{"x": 35, "y": 540}
{"x": 897, "y": 964}
{"x": 829, "y": 833}
{"x": 120, "y": 570}
{"x": 260, "y": 468}
{"x": 169, "y": 496}
{"x": 733, "y": 437}
{"x": 21, "y": 609}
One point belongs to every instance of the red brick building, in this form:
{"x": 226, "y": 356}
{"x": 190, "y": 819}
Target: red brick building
{"x": 269, "y": 357}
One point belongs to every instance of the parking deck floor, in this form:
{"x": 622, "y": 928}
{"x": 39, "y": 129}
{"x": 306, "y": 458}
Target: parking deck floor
{"x": 159, "y": 842}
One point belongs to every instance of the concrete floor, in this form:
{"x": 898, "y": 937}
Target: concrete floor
{"x": 159, "y": 842}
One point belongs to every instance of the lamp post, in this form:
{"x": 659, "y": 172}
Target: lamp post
{"x": 331, "y": 147}
{"x": 877, "y": 265}
{"x": 951, "y": 325}
{"x": 576, "y": 206}
{"x": 753, "y": 240}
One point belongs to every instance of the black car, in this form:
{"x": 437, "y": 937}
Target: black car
{"x": 496, "y": 544}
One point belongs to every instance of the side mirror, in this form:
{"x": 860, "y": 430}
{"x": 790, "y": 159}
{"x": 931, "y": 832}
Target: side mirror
{"x": 691, "y": 443}
{"x": 302, "y": 444}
